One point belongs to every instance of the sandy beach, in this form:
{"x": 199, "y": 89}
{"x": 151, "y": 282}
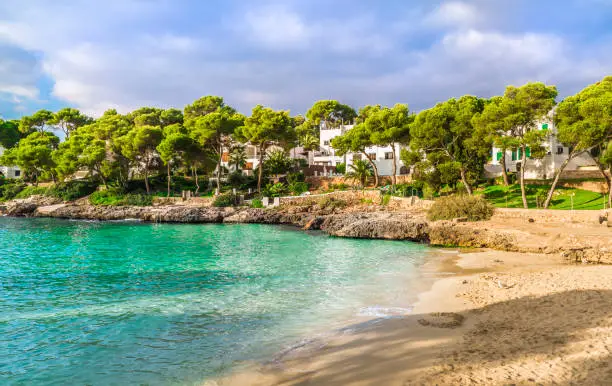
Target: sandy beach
{"x": 501, "y": 318}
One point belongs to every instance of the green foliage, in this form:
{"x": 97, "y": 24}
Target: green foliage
{"x": 116, "y": 198}
{"x": 473, "y": 208}
{"x": 297, "y": 188}
{"x": 330, "y": 113}
{"x": 386, "y": 198}
{"x": 341, "y": 168}
{"x": 72, "y": 190}
{"x": 277, "y": 162}
{"x": 256, "y": 203}
{"x": 295, "y": 177}
{"x": 224, "y": 200}
{"x": 360, "y": 170}
{"x": 29, "y": 191}
{"x": 9, "y": 133}
{"x": 10, "y": 189}
{"x": 33, "y": 154}
{"x": 275, "y": 190}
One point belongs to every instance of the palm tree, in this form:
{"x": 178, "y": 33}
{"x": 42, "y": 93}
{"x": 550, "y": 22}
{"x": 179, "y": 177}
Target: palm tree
{"x": 237, "y": 157}
{"x": 309, "y": 142}
{"x": 360, "y": 171}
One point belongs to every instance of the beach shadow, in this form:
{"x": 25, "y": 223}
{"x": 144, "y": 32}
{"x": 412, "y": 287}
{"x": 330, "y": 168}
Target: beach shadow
{"x": 511, "y": 340}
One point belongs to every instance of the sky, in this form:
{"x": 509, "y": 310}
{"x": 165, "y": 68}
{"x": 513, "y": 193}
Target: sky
{"x": 124, "y": 54}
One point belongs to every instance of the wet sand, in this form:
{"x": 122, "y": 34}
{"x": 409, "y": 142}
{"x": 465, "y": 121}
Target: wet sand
{"x": 493, "y": 318}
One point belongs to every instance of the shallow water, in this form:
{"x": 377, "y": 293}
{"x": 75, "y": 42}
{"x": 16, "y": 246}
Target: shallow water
{"x": 129, "y": 303}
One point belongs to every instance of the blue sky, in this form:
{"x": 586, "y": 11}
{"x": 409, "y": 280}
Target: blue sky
{"x": 124, "y": 54}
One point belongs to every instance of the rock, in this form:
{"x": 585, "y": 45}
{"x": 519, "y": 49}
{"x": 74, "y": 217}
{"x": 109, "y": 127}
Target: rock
{"x": 20, "y": 208}
{"x": 395, "y": 226}
{"x": 531, "y": 220}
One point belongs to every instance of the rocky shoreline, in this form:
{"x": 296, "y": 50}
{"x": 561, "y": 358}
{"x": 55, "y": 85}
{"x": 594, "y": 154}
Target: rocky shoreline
{"x": 372, "y": 222}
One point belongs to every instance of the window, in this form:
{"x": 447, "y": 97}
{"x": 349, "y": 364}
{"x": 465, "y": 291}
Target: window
{"x": 545, "y": 126}
{"x": 248, "y": 166}
{"x": 389, "y": 155}
{"x": 372, "y": 156}
{"x": 356, "y": 156}
{"x": 559, "y": 149}
{"x": 17, "y": 173}
{"x": 326, "y": 142}
{"x": 225, "y": 157}
{"x": 513, "y": 155}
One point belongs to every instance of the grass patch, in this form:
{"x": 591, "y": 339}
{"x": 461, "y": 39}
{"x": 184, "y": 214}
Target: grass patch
{"x": 473, "y": 208}
{"x": 510, "y": 197}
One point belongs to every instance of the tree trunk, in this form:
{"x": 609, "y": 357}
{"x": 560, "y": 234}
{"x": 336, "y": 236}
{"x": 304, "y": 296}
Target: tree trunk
{"x": 522, "y": 176}
{"x": 260, "y": 167}
{"x": 197, "y": 183}
{"x": 219, "y": 169}
{"x": 558, "y": 172}
{"x": 146, "y": 178}
{"x": 168, "y": 179}
{"x": 468, "y": 187}
{"x": 608, "y": 180}
{"x": 394, "y": 169}
{"x": 373, "y": 167}
{"x": 504, "y": 171}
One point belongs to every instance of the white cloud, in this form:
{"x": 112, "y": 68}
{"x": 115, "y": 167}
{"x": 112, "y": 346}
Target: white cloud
{"x": 276, "y": 27}
{"x": 455, "y": 14}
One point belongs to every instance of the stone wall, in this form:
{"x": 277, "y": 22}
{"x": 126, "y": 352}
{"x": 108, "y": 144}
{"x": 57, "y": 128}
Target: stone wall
{"x": 325, "y": 182}
{"x": 193, "y": 201}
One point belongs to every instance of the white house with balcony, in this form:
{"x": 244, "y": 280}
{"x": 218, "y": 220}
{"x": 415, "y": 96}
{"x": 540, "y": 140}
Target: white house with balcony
{"x": 9, "y": 171}
{"x": 381, "y": 155}
{"x": 540, "y": 168}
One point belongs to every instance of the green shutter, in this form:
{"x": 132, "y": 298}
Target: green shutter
{"x": 545, "y": 126}
{"x": 513, "y": 155}
{"x": 499, "y": 155}
{"x": 528, "y": 152}
{"x": 520, "y": 154}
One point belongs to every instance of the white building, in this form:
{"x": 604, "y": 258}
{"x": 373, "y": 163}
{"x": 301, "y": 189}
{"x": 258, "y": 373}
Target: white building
{"x": 9, "y": 171}
{"x": 252, "y": 157}
{"x": 381, "y": 155}
{"x": 540, "y": 168}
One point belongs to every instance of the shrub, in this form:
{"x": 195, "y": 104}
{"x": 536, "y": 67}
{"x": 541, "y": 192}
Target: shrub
{"x": 298, "y": 187}
{"x": 474, "y": 208}
{"x": 341, "y": 168}
{"x": 8, "y": 191}
{"x": 257, "y": 203}
{"x": 237, "y": 179}
{"x": 116, "y": 198}
{"x": 106, "y": 197}
{"x": 275, "y": 190}
{"x": 224, "y": 200}
{"x": 72, "y": 190}
{"x": 137, "y": 200}
{"x": 295, "y": 177}
{"x": 31, "y": 191}
{"x": 385, "y": 199}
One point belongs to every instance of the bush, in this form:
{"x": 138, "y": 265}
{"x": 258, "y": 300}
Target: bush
{"x": 474, "y": 208}
{"x": 72, "y": 190}
{"x": 8, "y": 191}
{"x": 105, "y": 198}
{"x": 31, "y": 191}
{"x": 224, "y": 200}
{"x": 386, "y": 198}
{"x": 341, "y": 168}
{"x": 257, "y": 203}
{"x": 116, "y": 198}
{"x": 298, "y": 188}
{"x": 274, "y": 190}
{"x": 237, "y": 179}
{"x": 295, "y": 177}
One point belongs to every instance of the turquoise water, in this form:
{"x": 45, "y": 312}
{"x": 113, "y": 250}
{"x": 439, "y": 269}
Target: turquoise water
{"x": 129, "y": 303}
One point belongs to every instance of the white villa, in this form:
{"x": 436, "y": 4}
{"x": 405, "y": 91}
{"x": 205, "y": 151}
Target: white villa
{"x": 540, "y": 168}
{"x": 381, "y": 155}
{"x": 9, "y": 171}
